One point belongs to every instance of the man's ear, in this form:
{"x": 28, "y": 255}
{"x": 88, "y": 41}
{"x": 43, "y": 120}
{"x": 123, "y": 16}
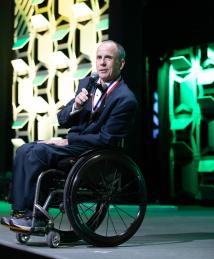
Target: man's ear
{"x": 122, "y": 63}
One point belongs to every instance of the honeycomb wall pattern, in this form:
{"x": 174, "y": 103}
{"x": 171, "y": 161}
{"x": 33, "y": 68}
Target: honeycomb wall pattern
{"x": 54, "y": 47}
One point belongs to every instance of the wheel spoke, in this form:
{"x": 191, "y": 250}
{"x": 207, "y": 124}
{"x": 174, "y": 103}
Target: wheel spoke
{"x": 120, "y": 215}
{"x": 84, "y": 211}
{"x": 124, "y": 211}
{"x": 128, "y": 185}
{"x": 113, "y": 225}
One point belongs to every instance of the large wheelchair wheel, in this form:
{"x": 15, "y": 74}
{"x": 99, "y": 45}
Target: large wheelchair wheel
{"x": 105, "y": 198}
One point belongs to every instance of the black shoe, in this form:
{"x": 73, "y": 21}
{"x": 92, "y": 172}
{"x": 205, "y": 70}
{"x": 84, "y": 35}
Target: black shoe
{"x": 25, "y": 224}
{"x": 5, "y": 221}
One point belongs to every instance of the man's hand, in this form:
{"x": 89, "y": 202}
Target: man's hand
{"x": 81, "y": 98}
{"x": 58, "y": 142}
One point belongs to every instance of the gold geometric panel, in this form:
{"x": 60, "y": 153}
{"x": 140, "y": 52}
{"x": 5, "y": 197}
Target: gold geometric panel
{"x": 80, "y": 12}
{"x": 65, "y": 7}
{"x": 39, "y": 105}
{"x": 45, "y": 127}
{"x": 65, "y": 85}
{"x": 59, "y": 60}
{"x": 25, "y": 93}
{"x": 45, "y": 47}
{"x": 20, "y": 67}
{"x": 39, "y": 23}
{"x": 88, "y": 39}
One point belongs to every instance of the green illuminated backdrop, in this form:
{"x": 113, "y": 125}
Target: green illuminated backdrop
{"x": 191, "y": 115}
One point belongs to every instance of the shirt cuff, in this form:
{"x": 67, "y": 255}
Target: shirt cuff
{"x": 74, "y": 109}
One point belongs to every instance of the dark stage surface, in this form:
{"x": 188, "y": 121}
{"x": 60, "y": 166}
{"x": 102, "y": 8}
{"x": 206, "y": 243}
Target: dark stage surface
{"x": 167, "y": 232}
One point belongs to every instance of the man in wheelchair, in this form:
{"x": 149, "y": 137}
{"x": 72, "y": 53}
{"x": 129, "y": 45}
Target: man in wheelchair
{"x": 99, "y": 116}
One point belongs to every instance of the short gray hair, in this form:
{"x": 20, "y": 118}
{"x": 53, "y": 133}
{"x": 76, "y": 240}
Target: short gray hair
{"x": 120, "y": 48}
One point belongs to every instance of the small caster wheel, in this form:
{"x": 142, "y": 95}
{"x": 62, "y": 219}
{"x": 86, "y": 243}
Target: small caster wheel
{"x": 22, "y": 238}
{"x": 53, "y": 239}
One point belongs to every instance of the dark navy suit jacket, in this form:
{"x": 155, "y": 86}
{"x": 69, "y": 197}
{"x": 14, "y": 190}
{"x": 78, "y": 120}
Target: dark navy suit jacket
{"x": 110, "y": 124}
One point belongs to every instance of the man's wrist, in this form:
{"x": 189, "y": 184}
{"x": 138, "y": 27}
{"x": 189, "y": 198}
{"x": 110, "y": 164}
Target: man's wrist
{"x": 75, "y": 109}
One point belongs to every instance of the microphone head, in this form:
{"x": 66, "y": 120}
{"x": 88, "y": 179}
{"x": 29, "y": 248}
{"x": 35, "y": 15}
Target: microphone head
{"x": 94, "y": 76}
{"x": 92, "y": 80}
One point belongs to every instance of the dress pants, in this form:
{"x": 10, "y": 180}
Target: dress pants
{"x": 30, "y": 160}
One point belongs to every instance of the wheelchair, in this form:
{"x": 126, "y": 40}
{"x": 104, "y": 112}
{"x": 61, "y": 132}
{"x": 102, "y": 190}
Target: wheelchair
{"x": 99, "y": 197}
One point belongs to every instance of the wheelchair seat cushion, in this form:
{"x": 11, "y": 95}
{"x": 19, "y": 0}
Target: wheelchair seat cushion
{"x": 66, "y": 163}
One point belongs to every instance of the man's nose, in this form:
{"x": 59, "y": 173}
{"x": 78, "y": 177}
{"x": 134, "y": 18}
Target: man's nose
{"x": 102, "y": 61}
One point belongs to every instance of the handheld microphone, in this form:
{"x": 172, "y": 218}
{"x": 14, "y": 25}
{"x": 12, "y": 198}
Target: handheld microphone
{"x": 92, "y": 80}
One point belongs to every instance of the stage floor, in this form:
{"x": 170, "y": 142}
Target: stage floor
{"x": 167, "y": 232}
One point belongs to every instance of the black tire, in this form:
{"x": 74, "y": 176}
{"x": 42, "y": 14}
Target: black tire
{"x": 22, "y": 238}
{"x": 53, "y": 239}
{"x": 109, "y": 186}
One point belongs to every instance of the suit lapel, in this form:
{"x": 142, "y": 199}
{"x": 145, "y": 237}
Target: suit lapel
{"x": 105, "y": 102}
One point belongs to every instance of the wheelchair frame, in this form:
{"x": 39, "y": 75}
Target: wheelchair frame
{"x": 100, "y": 198}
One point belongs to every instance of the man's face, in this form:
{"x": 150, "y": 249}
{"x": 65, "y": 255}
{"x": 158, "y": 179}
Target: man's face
{"x": 108, "y": 63}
